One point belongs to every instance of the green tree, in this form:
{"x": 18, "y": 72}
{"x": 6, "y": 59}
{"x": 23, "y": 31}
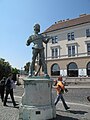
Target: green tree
{"x": 26, "y": 67}
{"x": 15, "y": 71}
{"x": 5, "y": 68}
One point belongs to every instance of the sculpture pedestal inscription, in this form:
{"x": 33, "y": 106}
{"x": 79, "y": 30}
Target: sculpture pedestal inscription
{"x": 36, "y": 101}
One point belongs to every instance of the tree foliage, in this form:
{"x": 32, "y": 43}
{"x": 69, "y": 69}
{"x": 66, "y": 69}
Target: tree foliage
{"x": 15, "y": 71}
{"x": 5, "y": 68}
{"x": 26, "y": 67}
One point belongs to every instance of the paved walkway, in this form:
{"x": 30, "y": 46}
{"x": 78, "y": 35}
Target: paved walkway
{"x": 77, "y": 111}
{"x": 78, "y": 86}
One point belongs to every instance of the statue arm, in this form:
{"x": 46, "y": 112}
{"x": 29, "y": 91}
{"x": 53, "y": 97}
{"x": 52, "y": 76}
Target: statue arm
{"x": 29, "y": 41}
{"x": 46, "y": 39}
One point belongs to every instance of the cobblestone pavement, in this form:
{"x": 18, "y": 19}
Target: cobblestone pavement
{"x": 9, "y": 113}
{"x": 77, "y": 111}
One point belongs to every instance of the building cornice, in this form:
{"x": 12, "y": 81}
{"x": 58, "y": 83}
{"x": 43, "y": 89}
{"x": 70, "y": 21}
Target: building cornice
{"x": 68, "y": 23}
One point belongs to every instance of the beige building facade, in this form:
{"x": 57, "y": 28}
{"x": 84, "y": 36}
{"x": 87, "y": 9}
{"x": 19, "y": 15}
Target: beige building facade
{"x": 68, "y": 52}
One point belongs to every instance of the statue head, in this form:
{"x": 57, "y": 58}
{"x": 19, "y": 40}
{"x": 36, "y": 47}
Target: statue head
{"x": 37, "y": 28}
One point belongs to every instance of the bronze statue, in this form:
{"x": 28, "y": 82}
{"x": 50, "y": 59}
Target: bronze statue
{"x": 38, "y": 48}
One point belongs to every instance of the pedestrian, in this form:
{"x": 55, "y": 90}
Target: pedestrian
{"x": 10, "y": 85}
{"x": 60, "y": 90}
{"x": 2, "y": 88}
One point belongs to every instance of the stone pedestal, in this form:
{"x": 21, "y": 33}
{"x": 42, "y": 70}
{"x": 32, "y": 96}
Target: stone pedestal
{"x": 36, "y": 101}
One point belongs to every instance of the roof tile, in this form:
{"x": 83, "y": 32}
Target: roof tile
{"x": 69, "y": 23}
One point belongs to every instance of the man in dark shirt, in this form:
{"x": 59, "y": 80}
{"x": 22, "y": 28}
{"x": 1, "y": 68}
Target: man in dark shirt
{"x": 9, "y": 90}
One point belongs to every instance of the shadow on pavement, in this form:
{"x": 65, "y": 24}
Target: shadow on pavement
{"x": 59, "y": 117}
{"x": 11, "y": 101}
{"x": 77, "y": 112}
{"x": 12, "y": 106}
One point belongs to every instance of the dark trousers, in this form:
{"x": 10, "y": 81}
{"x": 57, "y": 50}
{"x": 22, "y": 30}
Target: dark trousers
{"x": 11, "y": 94}
{"x": 60, "y": 96}
{"x": 2, "y": 93}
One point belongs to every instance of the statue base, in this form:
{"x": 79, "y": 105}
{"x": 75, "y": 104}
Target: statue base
{"x": 36, "y": 101}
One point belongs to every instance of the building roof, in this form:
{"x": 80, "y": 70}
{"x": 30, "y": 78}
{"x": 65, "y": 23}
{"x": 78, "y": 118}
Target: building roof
{"x": 62, "y": 24}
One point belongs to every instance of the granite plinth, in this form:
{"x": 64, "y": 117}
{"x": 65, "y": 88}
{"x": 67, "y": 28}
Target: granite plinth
{"x": 37, "y": 99}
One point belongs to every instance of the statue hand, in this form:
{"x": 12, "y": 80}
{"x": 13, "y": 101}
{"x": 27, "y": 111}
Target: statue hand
{"x": 48, "y": 38}
{"x": 28, "y": 43}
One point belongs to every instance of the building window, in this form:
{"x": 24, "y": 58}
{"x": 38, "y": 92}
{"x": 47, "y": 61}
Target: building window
{"x": 70, "y": 36}
{"x": 88, "y": 48}
{"x": 55, "y": 70}
{"x": 72, "y": 70}
{"x": 88, "y": 69}
{"x": 87, "y": 32}
{"x": 71, "y": 51}
{"x": 55, "y": 52}
{"x": 54, "y": 39}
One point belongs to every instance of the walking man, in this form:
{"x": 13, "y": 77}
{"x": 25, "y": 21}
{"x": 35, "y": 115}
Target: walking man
{"x": 10, "y": 85}
{"x": 60, "y": 90}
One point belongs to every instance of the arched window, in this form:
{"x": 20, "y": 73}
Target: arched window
{"x": 72, "y": 70}
{"x": 88, "y": 69}
{"x": 55, "y": 70}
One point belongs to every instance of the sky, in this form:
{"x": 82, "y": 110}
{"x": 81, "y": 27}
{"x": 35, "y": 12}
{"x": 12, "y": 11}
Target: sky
{"x": 17, "y": 18}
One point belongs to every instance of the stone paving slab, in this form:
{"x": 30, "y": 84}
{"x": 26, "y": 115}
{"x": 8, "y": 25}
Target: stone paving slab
{"x": 77, "y": 86}
{"x": 76, "y": 112}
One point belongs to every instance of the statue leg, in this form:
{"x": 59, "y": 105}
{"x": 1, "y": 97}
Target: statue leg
{"x": 44, "y": 66}
{"x": 35, "y": 53}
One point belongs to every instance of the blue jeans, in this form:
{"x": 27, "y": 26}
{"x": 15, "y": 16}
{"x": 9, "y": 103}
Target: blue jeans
{"x": 60, "y": 96}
